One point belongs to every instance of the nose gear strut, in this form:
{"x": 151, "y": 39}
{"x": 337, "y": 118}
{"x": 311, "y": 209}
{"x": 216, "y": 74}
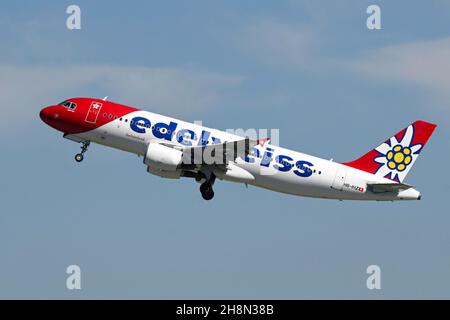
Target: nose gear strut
{"x": 80, "y": 156}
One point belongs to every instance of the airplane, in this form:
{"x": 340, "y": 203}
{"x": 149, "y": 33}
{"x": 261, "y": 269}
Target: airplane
{"x": 173, "y": 148}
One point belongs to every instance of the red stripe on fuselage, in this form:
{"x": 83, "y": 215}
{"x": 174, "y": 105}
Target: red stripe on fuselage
{"x": 88, "y": 115}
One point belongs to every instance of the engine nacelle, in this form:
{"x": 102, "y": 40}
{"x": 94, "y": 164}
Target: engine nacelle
{"x": 162, "y": 158}
{"x": 176, "y": 174}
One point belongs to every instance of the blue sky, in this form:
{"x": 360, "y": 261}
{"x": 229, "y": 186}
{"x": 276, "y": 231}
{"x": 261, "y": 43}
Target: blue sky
{"x": 311, "y": 69}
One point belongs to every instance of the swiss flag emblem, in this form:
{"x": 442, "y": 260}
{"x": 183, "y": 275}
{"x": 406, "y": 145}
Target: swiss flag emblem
{"x": 93, "y": 112}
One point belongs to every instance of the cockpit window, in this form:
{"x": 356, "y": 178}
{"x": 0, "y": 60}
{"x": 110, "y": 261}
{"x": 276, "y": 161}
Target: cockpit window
{"x": 68, "y": 104}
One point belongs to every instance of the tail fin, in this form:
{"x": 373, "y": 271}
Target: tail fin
{"x": 395, "y": 157}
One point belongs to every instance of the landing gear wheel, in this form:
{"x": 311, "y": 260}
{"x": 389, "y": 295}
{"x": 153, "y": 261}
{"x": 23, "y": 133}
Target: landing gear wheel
{"x": 79, "y": 157}
{"x": 207, "y": 191}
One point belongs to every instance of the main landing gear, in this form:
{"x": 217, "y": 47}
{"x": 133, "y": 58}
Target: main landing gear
{"x": 80, "y": 156}
{"x": 206, "y": 188}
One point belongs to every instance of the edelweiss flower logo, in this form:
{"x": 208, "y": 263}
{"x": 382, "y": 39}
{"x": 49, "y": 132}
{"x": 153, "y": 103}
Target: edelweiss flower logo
{"x": 397, "y": 156}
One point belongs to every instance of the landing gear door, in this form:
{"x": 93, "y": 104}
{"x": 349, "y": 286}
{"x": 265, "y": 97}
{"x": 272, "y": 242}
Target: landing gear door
{"x": 339, "y": 179}
{"x": 93, "y": 112}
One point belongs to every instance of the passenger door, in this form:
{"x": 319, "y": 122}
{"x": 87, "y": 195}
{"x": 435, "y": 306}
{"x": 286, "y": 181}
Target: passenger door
{"x": 339, "y": 179}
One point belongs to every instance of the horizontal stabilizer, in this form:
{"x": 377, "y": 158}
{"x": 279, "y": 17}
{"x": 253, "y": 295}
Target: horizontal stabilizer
{"x": 387, "y": 187}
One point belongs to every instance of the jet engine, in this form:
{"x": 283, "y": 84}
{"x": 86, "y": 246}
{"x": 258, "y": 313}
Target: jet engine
{"x": 163, "y": 161}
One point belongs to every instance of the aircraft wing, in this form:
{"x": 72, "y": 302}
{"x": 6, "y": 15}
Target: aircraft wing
{"x": 387, "y": 187}
{"x": 218, "y": 154}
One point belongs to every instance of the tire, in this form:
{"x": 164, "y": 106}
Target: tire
{"x": 207, "y": 191}
{"x": 79, "y": 157}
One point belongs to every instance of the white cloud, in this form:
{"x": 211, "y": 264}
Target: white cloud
{"x": 279, "y": 44}
{"x": 422, "y": 64}
{"x": 26, "y": 89}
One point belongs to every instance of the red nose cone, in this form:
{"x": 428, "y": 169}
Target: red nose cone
{"x": 52, "y": 116}
{"x": 49, "y": 115}
{"x": 44, "y": 114}
{"x": 63, "y": 119}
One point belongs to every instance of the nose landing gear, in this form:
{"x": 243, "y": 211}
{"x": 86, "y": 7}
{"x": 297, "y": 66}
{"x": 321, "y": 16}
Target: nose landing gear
{"x": 80, "y": 156}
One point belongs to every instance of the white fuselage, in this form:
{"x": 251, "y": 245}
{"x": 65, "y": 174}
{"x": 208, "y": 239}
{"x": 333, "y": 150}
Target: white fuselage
{"x": 272, "y": 167}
